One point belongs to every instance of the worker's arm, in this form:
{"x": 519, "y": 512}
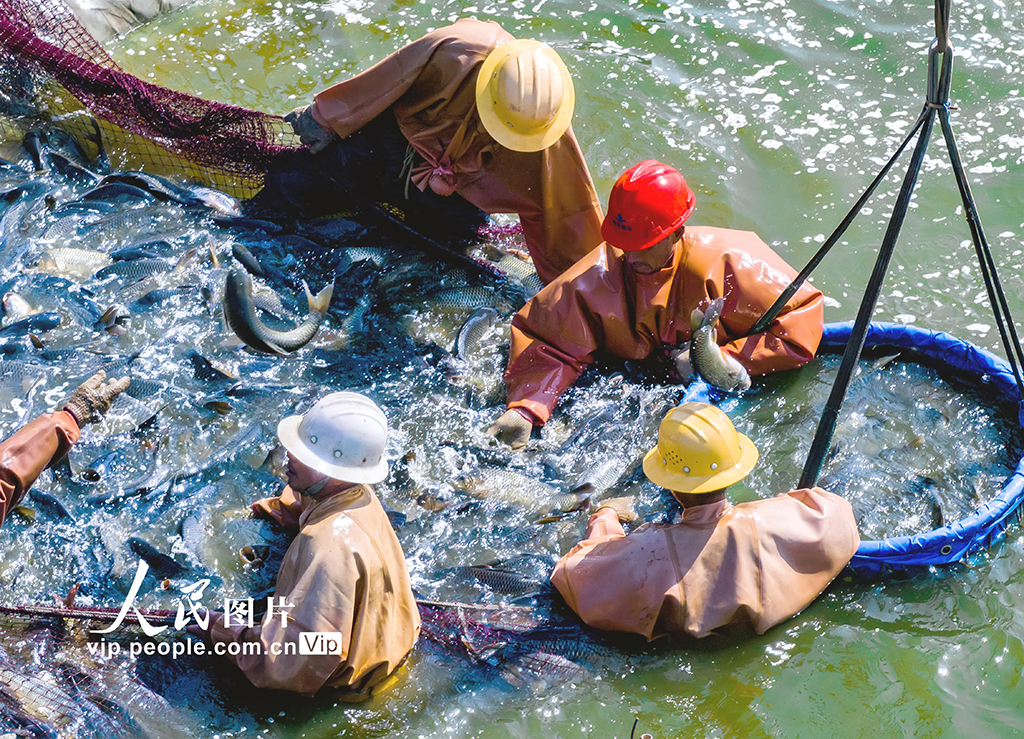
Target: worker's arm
{"x": 557, "y": 333}
{"x": 285, "y": 508}
{"x": 752, "y": 277}
{"x": 349, "y": 105}
{"x": 562, "y": 216}
{"x": 323, "y": 588}
{"x": 29, "y": 451}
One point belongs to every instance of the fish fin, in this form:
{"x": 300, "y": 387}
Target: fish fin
{"x": 214, "y": 260}
{"x": 36, "y": 341}
{"x": 185, "y": 259}
{"x": 321, "y": 300}
{"x": 25, "y": 511}
{"x": 275, "y": 348}
{"x": 696, "y": 320}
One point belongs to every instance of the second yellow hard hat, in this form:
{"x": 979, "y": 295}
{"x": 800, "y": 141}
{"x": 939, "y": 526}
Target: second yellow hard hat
{"x": 699, "y": 451}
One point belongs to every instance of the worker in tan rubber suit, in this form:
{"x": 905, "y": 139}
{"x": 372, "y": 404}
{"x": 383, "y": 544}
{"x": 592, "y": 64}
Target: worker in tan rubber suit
{"x": 45, "y": 441}
{"x": 464, "y": 121}
{"x": 343, "y": 574}
{"x": 635, "y": 293}
{"x": 756, "y": 563}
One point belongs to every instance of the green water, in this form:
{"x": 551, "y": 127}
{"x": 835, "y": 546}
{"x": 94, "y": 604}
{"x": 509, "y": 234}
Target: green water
{"x": 779, "y": 114}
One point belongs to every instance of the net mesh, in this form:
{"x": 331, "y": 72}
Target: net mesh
{"x": 53, "y": 71}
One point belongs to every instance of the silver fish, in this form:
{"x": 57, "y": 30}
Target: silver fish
{"x": 507, "y": 486}
{"x": 717, "y": 369}
{"x": 68, "y": 261}
{"x": 16, "y": 307}
{"x": 241, "y": 316}
{"x": 473, "y": 330}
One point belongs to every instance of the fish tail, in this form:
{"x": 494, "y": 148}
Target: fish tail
{"x": 321, "y": 300}
{"x": 713, "y": 312}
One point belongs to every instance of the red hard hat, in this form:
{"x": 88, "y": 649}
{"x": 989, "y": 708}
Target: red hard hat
{"x": 647, "y": 203}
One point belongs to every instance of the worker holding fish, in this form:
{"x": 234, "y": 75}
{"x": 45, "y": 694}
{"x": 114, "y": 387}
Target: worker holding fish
{"x": 641, "y": 291}
{"x": 344, "y": 572}
{"x": 45, "y": 441}
{"x": 463, "y": 120}
{"x": 756, "y": 563}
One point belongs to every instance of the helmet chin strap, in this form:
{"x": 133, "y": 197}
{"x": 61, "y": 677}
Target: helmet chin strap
{"x": 316, "y": 487}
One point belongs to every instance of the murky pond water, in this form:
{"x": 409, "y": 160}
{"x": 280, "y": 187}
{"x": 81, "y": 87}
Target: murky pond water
{"x": 778, "y": 114}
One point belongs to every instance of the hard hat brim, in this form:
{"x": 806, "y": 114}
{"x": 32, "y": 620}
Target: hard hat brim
{"x": 658, "y": 473}
{"x": 492, "y": 121}
{"x": 288, "y": 434}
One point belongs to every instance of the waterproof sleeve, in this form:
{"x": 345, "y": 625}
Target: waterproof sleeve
{"x": 285, "y": 508}
{"x": 805, "y": 539}
{"x": 757, "y": 279}
{"x": 554, "y": 337}
{"x": 30, "y": 450}
{"x": 324, "y": 590}
{"x": 562, "y": 217}
{"x": 349, "y": 105}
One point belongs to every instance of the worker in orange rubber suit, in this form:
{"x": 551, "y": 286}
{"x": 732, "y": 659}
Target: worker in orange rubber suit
{"x": 45, "y": 441}
{"x": 756, "y": 563}
{"x": 344, "y": 573}
{"x": 463, "y": 120}
{"x": 634, "y": 295}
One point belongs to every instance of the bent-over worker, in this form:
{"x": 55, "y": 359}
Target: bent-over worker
{"x": 635, "y": 294}
{"x": 463, "y": 120}
{"x": 45, "y": 441}
{"x": 344, "y": 572}
{"x": 758, "y": 563}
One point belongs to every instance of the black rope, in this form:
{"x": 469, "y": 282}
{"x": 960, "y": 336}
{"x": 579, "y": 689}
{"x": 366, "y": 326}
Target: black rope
{"x": 996, "y": 295}
{"x": 773, "y": 312}
{"x": 827, "y": 424}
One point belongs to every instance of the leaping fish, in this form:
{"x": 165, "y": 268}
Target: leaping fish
{"x": 717, "y": 369}
{"x": 241, "y": 316}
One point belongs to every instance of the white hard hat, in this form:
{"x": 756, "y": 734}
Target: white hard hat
{"x": 342, "y": 436}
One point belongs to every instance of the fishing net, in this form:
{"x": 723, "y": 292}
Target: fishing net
{"x": 53, "y": 71}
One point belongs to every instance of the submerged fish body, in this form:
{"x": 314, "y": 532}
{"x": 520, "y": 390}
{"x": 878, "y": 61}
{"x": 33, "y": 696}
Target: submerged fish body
{"x": 65, "y": 261}
{"x": 508, "y": 486}
{"x": 456, "y": 299}
{"x": 240, "y": 312}
{"x": 715, "y": 367}
{"x": 473, "y": 330}
{"x": 161, "y": 564}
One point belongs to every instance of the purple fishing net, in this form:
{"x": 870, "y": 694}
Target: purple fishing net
{"x": 51, "y": 69}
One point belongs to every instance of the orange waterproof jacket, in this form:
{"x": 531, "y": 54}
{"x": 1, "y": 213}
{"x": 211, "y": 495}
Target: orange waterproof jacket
{"x": 760, "y": 563}
{"x": 431, "y": 87}
{"x": 344, "y": 573}
{"x": 602, "y": 305}
{"x": 29, "y": 451}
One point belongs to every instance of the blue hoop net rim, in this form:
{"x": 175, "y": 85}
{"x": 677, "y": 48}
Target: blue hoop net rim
{"x": 984, "y": 526}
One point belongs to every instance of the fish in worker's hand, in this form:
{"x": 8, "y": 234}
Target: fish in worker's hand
{"x": 707, "y": 358}
{"x": 240, "y": 312}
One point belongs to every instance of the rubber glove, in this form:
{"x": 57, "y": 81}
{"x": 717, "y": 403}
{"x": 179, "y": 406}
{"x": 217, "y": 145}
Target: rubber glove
{"x": 310, "y": 133}
{"x": 93, "y": 397}
{"x": 513, "y": 428}
{"x": 623, "y": 508}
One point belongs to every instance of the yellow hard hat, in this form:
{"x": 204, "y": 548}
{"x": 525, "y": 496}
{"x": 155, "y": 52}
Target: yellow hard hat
{"x": 699, "y": 451}
{"x": 525, "y": 95}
